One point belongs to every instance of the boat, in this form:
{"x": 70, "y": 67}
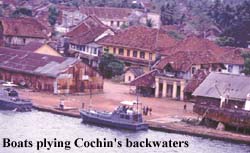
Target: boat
{"x": 126, "y": 116}
{"x": 10, "y": 100}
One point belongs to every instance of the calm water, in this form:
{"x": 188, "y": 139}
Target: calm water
{"x": 35, "y": 126}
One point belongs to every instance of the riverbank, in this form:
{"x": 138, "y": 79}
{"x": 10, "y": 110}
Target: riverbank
{"x": 172, "y": 127}
{"x": 167, "y": 114}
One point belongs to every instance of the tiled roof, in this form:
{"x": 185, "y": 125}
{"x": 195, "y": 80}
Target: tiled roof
{"x": 137, "y": 71}
{"x": 141, "y": 38}
{"x": 32, "y": 46}
{"x": 145, "y": 80}
{"x": 33, "y": 63}
{"x": 87, "y": 31}
{"x": 107, "y": 12}
{"x": 196, "y": 80}
{"x": 194, "y": 50}
{"x": 24, "y": 27}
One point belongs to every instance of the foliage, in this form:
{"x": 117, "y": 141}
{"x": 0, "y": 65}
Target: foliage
{"x": 175, "y": 35}
{"x": 246, "y": 57}
{"x": 53, "y": 13}
{"x": 233, "y": 20}
{"x": 225, "y": 41}
{"x": 109, "y": 66}
{"x": 149, "y": 23}
{"x": 22, "y": 12}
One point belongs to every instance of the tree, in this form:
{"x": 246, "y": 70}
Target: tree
{"x": 22, "y": 12}
{"x": 53, "y": 13}
{"x": 246, "y": 57}
{"x": 109, "y": 66}
{"x": 149, "y": 23}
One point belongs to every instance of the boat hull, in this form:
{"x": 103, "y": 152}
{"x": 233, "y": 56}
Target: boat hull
{"x": 114, "y": 124}
{"x": 18, "y": 106}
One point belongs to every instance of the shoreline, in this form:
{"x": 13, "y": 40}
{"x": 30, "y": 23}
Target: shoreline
{"x": 171, "y": 128}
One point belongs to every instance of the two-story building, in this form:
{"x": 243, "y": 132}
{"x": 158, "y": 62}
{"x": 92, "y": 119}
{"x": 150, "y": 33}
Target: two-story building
{"x": 137, "y": 45}
{"x": 16, "y": 32}
{"x": 183, "y": 62}
{"x": 83, "y": 38}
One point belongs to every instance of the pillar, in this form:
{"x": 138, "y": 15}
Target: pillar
{"x": 182, "y": 90}
{"x": 156, "y": 87}
{"x": 164, "y": 89}
{"x": 55, "y": 87}
{"x": 174, "y": 94}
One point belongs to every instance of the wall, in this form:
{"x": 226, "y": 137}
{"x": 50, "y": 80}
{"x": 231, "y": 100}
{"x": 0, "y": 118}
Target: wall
{"x": 235, "y": 69}
{"x": 111, "y": 51}
{"x": 47, "y": 50}
{"x": 127, "y": 75}
{"x": 21, "y": 41}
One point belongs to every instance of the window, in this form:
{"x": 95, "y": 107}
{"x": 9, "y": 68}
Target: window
{"x": 128, "y": 53}
{"x": 230, "y": 68}
{"x": 150, "y": 56}
{"x": 118, "y": 23}
{"x": 142, "y": 55}
{"x": 121, "y": 51}
{"x": 134, "y": 53}
{"x": 106, "y": 50}
{"x": 129, "y": 78}
{"x": 193, "y": 70}
{"x": 95, "y": 51}
{"x": 114, "y": 50}
{"x": 111, "y": 23}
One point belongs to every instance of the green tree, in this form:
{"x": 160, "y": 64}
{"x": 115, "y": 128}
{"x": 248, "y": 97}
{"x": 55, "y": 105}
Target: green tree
{"x": 22, "y": 12}
{"x": 109, "y": 66}
{"x": 149, "y": 23}
{"x": 53, "y": 13}
{"x": 246, "y": 57}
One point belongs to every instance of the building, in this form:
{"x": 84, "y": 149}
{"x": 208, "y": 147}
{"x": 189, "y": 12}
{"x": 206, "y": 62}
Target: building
{"x": 40, "y": 72}
{"x": 184, "y": 67}
{"x": 83, "y": 38}
{"x": 224, "y": 98}
{"x": 234, "y": 88}
{"x": 17, "y": 32}
{"x": 132, "y": 73}
{"x": 37, "y": 47}
{"x": 121, "y": 17}
{"x": 137, "y": 45}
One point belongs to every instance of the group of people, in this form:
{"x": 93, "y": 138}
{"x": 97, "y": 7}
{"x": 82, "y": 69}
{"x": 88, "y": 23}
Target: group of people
{"x": 147, "y": 110}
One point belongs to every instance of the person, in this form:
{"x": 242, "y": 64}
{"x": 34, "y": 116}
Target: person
{"x": 185, "y": 107}
{"x": 147, "y": 110}
{"x": 144, "y": 110}
{"x": 150, "y": 111}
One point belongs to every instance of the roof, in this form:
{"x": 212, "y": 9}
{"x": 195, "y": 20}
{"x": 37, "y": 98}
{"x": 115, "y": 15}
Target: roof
{"x": 237, "y": 86}
{"x": 33, "y": 63}
{"x": 137, "y": 71}
{"x": 32, "y": 46}
{"x": 196, "y": 80}
{"x": 87, "y": 31}
{"x": 23, "y": 27}
{"x": 145, "y": 80}
{"x": 107, "y": 12}
{"x": 141, "y": 38}
{"x": 196, "y": 51}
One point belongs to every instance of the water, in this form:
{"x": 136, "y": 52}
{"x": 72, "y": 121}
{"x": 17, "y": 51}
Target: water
{"x": 35, "y": 126}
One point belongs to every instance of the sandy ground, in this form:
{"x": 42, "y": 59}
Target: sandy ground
{"x": 114, "y": 93}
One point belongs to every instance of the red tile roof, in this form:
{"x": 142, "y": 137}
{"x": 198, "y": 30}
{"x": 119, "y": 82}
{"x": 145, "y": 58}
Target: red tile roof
{"x": 87, "y": 31}
{"x": 107, "y": 12}
{"x": 32, "y": 46}
{"x": 141, "y": 38}
{"x": 194, "y": 51}
{"x": 196, "y": 80}
{"x": 145, "y": 80}
{"x": 24, "y": 27}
